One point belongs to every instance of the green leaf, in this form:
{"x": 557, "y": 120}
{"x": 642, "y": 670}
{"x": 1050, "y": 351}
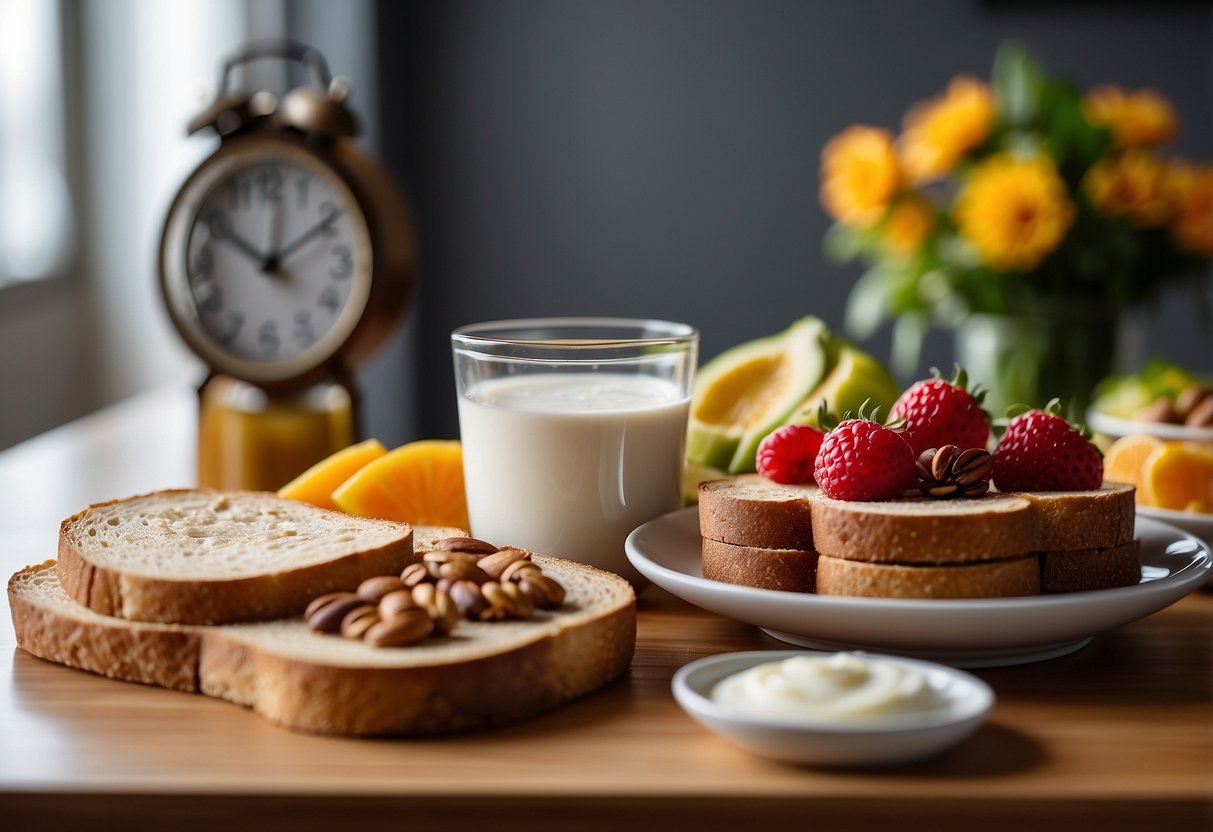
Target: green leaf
{"x": 908, "y": 333}
{"x": 842, "y": 243}
{"x": 1018, "y": 82}
{"x": 868, "y": 304}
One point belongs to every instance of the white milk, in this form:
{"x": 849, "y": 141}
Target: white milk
{"x": 569, "y": 464}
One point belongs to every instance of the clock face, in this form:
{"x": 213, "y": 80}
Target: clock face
{"x": 266, "y": 262}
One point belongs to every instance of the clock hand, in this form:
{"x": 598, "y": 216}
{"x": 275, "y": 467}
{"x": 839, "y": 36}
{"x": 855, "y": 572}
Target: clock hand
{"x": 222, "y": 232}
{"x": 294, "y": 245}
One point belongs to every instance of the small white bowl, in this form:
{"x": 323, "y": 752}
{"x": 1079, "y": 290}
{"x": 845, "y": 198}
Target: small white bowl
{"x": 886, "y": 741}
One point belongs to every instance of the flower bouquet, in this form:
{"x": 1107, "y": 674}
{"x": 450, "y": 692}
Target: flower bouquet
{"x": 1020, "y": 207}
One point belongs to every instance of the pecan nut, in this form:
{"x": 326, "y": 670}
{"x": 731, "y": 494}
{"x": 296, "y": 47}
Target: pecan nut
{"x": 950, "y": 472}
{"x": 397, "y": 602}
{"x": 543, "y": 592}
{"x": 372, "y": 590}
{"x": 408, "y": 627}
{"x": 467, "y": 545}
{"x": 494, "y": 565}
{"x": 358, "y": 620}
{"x": 324, "y": 614}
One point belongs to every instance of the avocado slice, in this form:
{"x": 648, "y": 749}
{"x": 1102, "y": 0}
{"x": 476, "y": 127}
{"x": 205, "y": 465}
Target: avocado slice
{"x": 856, "y": 377}
{"x": 749, "y": 390}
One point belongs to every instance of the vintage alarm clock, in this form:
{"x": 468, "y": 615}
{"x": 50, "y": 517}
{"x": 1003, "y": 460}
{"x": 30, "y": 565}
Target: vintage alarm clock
{"x": 288, "y": 256}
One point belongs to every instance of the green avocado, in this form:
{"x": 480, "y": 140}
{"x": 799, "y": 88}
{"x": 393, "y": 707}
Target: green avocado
{"x": 749, "y": 390}
{"x": 856, "y": 378}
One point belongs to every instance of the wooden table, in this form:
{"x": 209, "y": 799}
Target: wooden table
{"x": 1117, "y": 736}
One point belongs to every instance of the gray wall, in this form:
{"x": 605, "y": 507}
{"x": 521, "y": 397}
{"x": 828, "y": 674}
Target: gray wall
{"x": 659, "y": 159}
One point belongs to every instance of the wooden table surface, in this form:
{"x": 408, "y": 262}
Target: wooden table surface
{"x": 1117, "y": 736}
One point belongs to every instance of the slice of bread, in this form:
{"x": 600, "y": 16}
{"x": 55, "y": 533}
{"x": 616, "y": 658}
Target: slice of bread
{"x": 1082, "y": 570}
{"x": 915, "y": 529}
{"x": 787, "y": 570}
{"x": 482, "y": 675}
{"x": 1099, "y": 519}
{"x": 751, "y": 510}
{"x": 214, "y": 557}
{"x": 986, "y": 579}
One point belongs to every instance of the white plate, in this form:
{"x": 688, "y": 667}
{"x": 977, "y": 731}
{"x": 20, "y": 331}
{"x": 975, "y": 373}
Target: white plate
{"x": 1116, "y": 427}
{"x": 981, "y": 632}
{"x": 1200, "y": 525}
{"x": 882, "y": 742}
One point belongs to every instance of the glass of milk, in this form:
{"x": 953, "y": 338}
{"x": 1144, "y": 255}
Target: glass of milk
{"x": 573, "y": 431}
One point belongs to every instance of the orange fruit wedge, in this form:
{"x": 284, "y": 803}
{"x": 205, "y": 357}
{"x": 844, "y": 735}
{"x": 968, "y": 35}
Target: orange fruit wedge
{"x": 1179, "y": 476}
{"x": 316, "y": 484}
{"x": 419, "y": 483}
{"x": 1125, "y": 457}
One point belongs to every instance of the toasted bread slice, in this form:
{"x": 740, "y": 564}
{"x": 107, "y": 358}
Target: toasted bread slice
{"x": 986, "y": 579}
{"x": 788, "y": 570}
{"x": 751, "y": 510}
{"x": 483, "y": 674}
{"x": 916, "y": 529}
{"x": 214, "y": 557}
{"x": 1081, "y": 570}
{"x": 1099, "y": 519}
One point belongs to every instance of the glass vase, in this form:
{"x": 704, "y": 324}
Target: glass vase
{"x": 1059, "y": 352}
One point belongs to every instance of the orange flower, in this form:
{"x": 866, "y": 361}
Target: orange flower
{"x": 1136, "y": 119}
{"x": 940, "y": 131}
{"x": 1014, "y": 211}
{"x": 1133, "y": 185}
{"x": 909, "y": 224}
{"x": 1192, "y": 227}
{"x": 860, "y": 175}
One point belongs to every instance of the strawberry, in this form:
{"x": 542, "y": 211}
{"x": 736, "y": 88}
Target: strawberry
{"x": 1041, "y": 451}
{"x": 864, "y": 460}
{"x": 787, "y": 454}
{"x": 935, "y": 412}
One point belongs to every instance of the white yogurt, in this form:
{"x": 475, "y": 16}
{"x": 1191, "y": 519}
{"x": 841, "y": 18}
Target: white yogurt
{"x": 838, "y": 687}
{"x": 569, "y": 464}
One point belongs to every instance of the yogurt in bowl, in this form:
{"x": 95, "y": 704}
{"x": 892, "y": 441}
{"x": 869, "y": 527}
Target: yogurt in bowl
{"x": 842, "y": 709}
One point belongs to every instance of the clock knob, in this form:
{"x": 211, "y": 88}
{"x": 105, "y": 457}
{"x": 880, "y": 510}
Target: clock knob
{"x": 319, "y": 112}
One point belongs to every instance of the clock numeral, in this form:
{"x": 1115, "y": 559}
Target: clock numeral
{"x": 218, "y": 225}
{"x": 345, "y": 262}
{"x": 305, "y": 335}
{"x": 240, "y": 193}
{"x": 301, "y": 186}
{"x": 269, "y": 185}
{"x": 234, "y": 324}
{"x": 204, "y": 261}
{"x": 329, "y": 299}
{"x": 329, "y": 212}
{"x": 267, "y": 337}
{"x": 210, "y": 297}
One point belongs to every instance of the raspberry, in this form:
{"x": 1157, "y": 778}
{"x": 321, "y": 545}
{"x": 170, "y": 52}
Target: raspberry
{"x": 936, "y": 412}
{"x": 787, "y": 454}
{"x": 1041, "y": 451}
{"x": 863, "y": 460}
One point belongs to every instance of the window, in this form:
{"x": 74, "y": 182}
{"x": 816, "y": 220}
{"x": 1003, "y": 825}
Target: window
{"x": 36, "y": 226}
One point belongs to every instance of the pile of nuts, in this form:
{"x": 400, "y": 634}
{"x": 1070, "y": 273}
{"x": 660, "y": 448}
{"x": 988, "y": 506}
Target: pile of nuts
{"x": 462, "y": 578}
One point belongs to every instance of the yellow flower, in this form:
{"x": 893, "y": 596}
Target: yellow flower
{"x": 1192, "y": 227}
{"x": 860, "y": 175}
{"x": 1014, "y": 211}
{"x": 940, "y": 131}
{"x": 909, "y": 224}
{"x": 1136, "y": 119}
{"x": 1133, "y": 185}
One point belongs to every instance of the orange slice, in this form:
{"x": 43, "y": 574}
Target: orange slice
{"x": 316, "y": 484}
{"x": 419, "y": 483}
{"x": 1125, "y": 457}
{"x": 1179, "y": 476}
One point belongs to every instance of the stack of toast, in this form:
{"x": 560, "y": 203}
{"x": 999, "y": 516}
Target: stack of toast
{"x": 203, "y": 591}
{"x": 759, "y": 533}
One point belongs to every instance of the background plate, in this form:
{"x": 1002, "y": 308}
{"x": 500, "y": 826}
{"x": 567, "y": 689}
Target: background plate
{"x": 1116, "y": 427}
{"x": 983, "y": 632}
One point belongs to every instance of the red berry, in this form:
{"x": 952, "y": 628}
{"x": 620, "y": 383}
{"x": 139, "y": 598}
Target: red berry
{"x": 863, "y": 460}
{"x": 1041, "y": 451}
{"x": 936, "y": 412}
{"x": 787, "y": 454}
